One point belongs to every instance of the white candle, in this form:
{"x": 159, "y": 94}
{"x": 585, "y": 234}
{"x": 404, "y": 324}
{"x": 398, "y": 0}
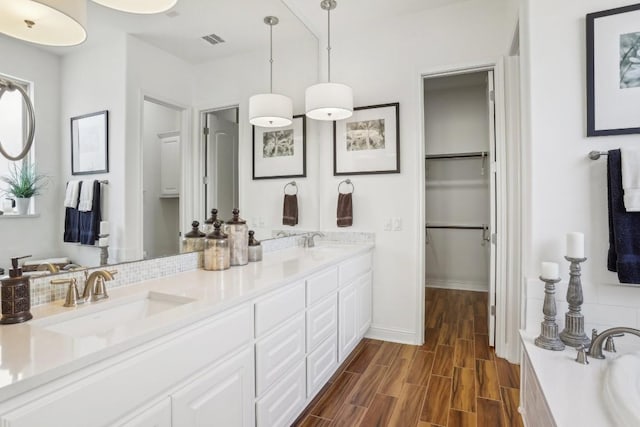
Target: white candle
{"x": 103, "y": 241}
{"x": 575, "y": 245}
{"x": 550, "y": 270}
{"x": 104, "y": 227}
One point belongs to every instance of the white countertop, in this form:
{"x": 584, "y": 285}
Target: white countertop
{"x": 31, "y": 355}
{"x": 573, "y": 391}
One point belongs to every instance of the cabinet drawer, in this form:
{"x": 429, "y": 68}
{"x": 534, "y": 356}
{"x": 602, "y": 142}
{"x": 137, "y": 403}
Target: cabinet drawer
{"x": 321, "y": 364}
{"x": 275, "y": 309}
{"x": 277, "y": 353}
{"x": 351, "y": 269}
{"x": 281, "y": 405}
{"x": 322, "y": 321}
{"x": 321, "y": 285}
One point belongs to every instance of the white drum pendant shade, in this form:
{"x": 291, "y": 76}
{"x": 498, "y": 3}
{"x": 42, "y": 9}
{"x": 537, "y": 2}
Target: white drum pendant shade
{"x": 329, "y": 101}
{"x": 139, "y": 6}
{"x": 270, "y": 110}
{"x": 45, "y": 22}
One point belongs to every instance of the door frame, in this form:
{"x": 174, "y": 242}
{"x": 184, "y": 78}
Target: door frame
{"x": 200, "y": 204}
{"x": 504, "y": 341}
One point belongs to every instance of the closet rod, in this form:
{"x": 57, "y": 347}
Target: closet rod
{"x": 457, "y": 155}
{"x": 459, "y": 227}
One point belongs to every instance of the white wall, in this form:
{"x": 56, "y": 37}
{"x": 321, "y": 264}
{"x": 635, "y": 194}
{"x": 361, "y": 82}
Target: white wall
{"x": 568, "y": 191}
{"x": 231, "y": 81}
{"x": 94, "y": 80}
{"x": 161, "y": 215}
{"x": 40, "y": 236}
{"x": 385, "y": 66}
{"x": 456, "y": 120}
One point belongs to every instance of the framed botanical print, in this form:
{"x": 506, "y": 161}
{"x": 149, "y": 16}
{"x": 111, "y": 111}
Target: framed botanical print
{"x": 280, "y": 152}
{"x": 368, "y": 142}
{"x": 90, "y": 143}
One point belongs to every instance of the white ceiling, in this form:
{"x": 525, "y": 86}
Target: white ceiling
{"x": 240, "y": 23}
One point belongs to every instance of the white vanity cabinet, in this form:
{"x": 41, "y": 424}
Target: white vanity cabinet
{"x": 534, "y": 409}
{"x": 156, "y": 415}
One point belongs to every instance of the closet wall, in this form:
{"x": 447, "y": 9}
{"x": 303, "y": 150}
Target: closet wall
{"x": 457, "y": 189}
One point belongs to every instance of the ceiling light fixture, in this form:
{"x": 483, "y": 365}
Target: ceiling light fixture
{"x": 144, "y": 7}
{"x": 46, "y": 22}
{"x": 270, "y": 110}
{"x": 329, "y": 101}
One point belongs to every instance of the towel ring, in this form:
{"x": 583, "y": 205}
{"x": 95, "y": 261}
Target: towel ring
{"x": 348, "y": 182}
{"x": 293, "y": 184}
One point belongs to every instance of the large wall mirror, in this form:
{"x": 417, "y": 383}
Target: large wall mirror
{"x": 164, "y": 79}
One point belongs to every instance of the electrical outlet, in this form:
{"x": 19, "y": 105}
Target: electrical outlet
{"x": 387, "y": 224}
{"x": 397, "y": 224}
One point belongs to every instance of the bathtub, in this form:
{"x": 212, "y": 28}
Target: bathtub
{"x": 557, "y": 391}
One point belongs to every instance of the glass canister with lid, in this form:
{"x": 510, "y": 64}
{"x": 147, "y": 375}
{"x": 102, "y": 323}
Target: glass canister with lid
{"x": 216, "y": 249}
{"x": 238, "y": 232}
{"x": 208, "y": 223}
{"x": 255, "y": 248}
{"x": 193, "y": 240}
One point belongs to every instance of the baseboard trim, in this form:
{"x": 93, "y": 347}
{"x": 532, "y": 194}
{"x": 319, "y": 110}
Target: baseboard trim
{"x": 394, "y": 335}
{"x": 458, "y": 285}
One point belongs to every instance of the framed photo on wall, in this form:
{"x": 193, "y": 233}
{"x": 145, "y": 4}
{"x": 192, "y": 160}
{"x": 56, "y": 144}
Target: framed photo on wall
{"x": 613, "y": 71}
{"x": 280, "y": 152}
{"x": 368, "y": 142}
{"x": 90, "y": 143}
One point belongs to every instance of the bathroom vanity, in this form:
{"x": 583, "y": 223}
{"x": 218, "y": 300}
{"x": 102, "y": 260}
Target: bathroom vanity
{"x": 249, "y": 346}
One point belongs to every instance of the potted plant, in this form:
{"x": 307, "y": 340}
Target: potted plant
{"x": 22, "y": 183}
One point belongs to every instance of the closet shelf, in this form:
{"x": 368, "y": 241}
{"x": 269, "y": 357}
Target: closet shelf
{"x": 474, "y": 154}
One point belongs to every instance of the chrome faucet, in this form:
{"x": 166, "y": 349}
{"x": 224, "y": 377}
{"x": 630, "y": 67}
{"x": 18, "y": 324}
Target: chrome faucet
{"x": 310, "y": 242}
{"x": 595, "y": 350}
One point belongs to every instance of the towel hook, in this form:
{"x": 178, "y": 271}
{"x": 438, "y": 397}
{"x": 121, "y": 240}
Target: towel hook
{"x": 348, "y": 182}
{"x": 293, "y": 184}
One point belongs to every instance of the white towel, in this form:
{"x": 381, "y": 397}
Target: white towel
{"x": 71, "y": 194}
{"x": 630, "y": 159}
{"x": 86, "y": 196}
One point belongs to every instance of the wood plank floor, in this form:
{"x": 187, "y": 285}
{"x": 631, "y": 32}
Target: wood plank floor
{"x": 453, "y": 379}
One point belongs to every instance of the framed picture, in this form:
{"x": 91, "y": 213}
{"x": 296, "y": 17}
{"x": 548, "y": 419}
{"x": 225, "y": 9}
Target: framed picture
{"x": 280, "y": 152}
{"x": 613, "y": 71}
{"x": 90, "y": 143}
{"x": 368, "y": 142}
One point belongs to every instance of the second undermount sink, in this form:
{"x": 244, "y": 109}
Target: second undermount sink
{"x": 100, "y": 318}
{"x": 622, "y": 389}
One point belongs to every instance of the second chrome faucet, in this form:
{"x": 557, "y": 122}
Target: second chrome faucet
{"x": 95, "y": 288}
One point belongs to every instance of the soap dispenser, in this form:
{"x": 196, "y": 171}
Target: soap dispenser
{"x": 208, "y": 224}
{"x": 193, "y": 240}
{"x": 16, "y": 295}
{"x": 238, "y": 232}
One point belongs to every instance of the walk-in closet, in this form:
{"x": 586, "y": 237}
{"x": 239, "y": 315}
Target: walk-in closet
{"x": 460, "y": 186}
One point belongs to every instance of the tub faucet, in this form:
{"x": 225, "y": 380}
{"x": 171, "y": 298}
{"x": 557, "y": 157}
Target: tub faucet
{"x": 310, "y": 242}
{"x": 595, "y": 350}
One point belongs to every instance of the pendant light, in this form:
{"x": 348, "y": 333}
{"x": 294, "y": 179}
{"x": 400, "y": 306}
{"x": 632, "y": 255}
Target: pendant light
{"x": 139, "y": 6}
{"x": 45, "y": 22}
{"x": 270, "y": 110}
{"x": 329, "y": 101}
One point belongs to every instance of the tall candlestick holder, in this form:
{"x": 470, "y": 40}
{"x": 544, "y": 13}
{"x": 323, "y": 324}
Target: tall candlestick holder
{"x": 549, "y": 338}
{"x": 573, "y": 334}
{"x": 104, "y": 251}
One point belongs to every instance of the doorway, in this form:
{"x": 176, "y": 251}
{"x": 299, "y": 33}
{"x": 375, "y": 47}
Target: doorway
{"x": 461, "y": 197}
{"x": 161, "y": 178}
{"x": 221, "y": 161}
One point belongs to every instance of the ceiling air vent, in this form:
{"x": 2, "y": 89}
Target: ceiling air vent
{"x": 213, "y": 39}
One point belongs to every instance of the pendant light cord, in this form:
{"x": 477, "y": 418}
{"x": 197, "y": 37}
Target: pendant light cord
{"x": 271, "y": 58}
{"x": 328, "y": 45}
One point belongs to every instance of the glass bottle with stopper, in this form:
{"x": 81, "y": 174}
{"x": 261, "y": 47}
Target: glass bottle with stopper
{"x": 208, "y": 223}
{"x": 216, "y": 249}
{"x": 193, "y": 240}
{"x": 238, "y": 231}
{"x": 255, "y": 248}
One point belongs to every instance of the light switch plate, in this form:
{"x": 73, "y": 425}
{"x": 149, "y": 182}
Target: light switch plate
{"x": 387, "y": 224}
{"x": 397, "y": 224}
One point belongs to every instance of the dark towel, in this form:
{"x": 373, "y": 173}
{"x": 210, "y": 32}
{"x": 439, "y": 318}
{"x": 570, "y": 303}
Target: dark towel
{"x": 624, "y": 227}
{"x": 89, "y": 222}
{"x": 290, "y": 210}
{"x": 72, "y": 222}
{"x": 345, "y": 210}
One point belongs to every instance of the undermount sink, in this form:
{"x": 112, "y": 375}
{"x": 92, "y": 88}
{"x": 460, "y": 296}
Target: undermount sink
{"x": 100, "y": 318}
{"x": 622, "y": 389}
